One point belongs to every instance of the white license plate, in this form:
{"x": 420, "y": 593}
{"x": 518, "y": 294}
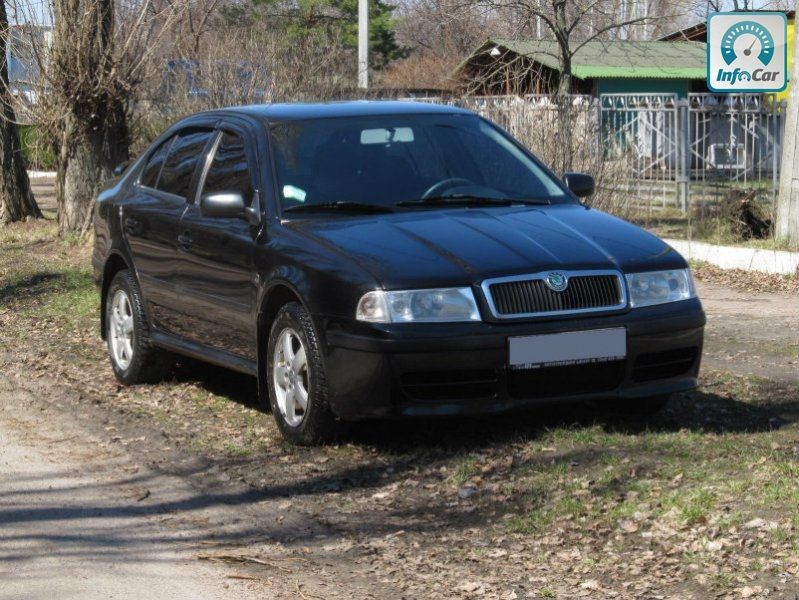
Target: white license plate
{"x": 569, "y": 348}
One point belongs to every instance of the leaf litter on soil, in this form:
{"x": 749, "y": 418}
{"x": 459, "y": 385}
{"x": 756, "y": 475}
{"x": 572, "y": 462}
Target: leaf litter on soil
{"x": 701, "y": 501}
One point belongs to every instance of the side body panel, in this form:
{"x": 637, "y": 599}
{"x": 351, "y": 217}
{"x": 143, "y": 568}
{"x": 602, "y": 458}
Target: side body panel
{"x": 216, "y": 283}
{"x": 150, "y": 221}
{"x": 217, "y": 280}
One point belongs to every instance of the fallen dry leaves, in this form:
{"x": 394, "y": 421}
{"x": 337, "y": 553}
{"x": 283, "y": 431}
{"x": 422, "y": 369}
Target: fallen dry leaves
{"x": 567, "y": 502}
{"x": 746, "y": 281}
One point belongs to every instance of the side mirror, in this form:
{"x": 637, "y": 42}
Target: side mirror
{"x": 120, "y": 168}
{"x": 223, "y": 204}
{"x": 581, "y": 184}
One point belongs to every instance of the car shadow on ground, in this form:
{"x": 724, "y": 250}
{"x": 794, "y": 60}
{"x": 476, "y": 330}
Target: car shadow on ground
{"x": 701, "y": 411}
{"x": 396, "y": 452}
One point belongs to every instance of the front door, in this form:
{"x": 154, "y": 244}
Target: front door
{"x": 216, "y": 255}
{"x": 151, "y": 219}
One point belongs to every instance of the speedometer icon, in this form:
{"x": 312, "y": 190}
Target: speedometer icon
{"x": 754, "y": 35}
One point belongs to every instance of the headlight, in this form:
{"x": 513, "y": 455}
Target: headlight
{"x": 659, "y": 287}
{"x": 413, "y": 306}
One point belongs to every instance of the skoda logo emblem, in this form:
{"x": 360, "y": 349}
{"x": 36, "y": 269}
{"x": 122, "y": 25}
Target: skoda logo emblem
{"x": 557, "y": 281}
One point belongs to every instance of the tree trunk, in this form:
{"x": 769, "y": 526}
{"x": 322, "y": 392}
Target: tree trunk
{"x": 564, "y": 136}
{"x": 94, "y": 131}
{"x": 563, "y": 37}
{"x": 787, "y": 225}
{"x": 16, "y": 199}
{"x": 86, "y": 160}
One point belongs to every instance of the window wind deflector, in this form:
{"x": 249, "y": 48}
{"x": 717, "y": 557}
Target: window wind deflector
{"x": 342, "y": 205}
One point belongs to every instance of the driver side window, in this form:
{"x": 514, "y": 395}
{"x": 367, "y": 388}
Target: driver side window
{"x": 152, "y": 170}
{"x": 229, "y": 170}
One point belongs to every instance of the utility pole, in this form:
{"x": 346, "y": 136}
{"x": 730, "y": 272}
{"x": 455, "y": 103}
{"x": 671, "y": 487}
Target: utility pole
{"x": 788, "y": 200}
{"x": 538, "y": 22}
{"x": 363, "y": 44}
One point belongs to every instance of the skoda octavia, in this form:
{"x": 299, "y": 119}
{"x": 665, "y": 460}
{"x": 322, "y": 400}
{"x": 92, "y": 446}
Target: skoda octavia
{"x": 380, "y": 259}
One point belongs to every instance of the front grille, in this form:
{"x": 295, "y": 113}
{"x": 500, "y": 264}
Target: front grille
{"x": 662, "y": 365}
{"x": 434, "y": 386}
{"x": 530, "y": 295}
{"x": 571, "y": 379}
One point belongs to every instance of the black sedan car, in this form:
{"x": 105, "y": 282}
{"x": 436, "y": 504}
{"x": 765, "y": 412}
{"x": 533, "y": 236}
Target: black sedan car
{"x": 379, "y": 259}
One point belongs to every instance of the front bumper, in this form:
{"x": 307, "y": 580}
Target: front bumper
{"x": 462, "y": 368}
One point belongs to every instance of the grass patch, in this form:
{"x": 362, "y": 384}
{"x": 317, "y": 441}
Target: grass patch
{"x": 236, "y": 450}
{"x": 782, "y": 485}
{"x": 697, "y": 505}
{"x": 465, "y": 469}
{"x": 671, "y": 223}
{"x": 533, "y": 522}
{"x": 67, "y": 294}
{"x": 718, "y": 230}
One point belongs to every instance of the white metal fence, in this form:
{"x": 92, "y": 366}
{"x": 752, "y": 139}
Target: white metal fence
{"x": 655, "y": 150}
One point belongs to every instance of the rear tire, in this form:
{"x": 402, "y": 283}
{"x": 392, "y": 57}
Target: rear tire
{"x": 640, "y": 406}
{"x": 133, "y": 357}
{"x": 296, "y": 378}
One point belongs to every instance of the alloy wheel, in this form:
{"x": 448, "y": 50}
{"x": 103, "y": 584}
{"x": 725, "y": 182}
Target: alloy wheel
{"x": 291, "y": 377}
{"x": 120, "y": 330}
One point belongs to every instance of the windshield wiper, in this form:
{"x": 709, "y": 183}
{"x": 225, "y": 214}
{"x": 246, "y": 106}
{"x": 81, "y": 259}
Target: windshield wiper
{"x": 342, "y": 205}
{"x": 467, "y": 200}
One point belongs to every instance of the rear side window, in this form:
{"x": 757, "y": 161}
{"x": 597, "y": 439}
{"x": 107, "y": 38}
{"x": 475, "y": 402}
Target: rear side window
{"x": 149, "y": 176}
{"x": 181, "y": 162}
{"x": 229, "y": 171}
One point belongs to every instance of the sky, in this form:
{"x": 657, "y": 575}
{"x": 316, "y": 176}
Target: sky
{"x": 29, "y": 11}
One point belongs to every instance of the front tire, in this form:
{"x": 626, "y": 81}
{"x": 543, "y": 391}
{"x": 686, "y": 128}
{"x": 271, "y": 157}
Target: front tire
{"x": 133, "y": 357}
{"x": 296, "y": 378}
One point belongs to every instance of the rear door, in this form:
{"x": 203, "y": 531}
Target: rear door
{"x": 216, "y": 278}
{"x": 150, "y": 220}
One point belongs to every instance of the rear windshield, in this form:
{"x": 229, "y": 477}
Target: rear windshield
{"x": 384, "y": 160}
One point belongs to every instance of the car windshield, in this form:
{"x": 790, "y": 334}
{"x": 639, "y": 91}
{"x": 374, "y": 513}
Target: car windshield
{"x": 405, "y": 160}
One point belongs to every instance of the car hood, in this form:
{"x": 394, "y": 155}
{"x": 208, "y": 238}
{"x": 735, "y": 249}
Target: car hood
{"x": 431, "y": 248}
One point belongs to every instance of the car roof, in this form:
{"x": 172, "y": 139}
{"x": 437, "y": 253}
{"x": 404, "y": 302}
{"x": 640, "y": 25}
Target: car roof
{"x": 353, "y": 108}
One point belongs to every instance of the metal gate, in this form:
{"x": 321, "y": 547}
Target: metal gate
{"x": 640, "y": 142}
{"x": 735, "y": 146}
{"x": 693, "y": 152}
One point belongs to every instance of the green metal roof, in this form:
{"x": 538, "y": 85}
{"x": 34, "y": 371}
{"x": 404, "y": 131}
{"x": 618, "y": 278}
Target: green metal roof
{"x": 605, "y": 60}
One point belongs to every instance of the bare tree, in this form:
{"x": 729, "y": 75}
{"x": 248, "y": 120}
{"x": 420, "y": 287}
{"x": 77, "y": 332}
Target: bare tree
{"x": 438, "y": 26}
{"x": 199, "y": 20}
{"x": 16, "y": 199}
{"x": 90, "y": 77}
{"x": 94, "y": 130}
{"x": 439, "y": 33}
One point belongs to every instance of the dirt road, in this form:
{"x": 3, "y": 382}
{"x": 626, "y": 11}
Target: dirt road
{"x": 89, "y": 511}
{"x": 751, "y": 333}
{"x": 75, "y": 527}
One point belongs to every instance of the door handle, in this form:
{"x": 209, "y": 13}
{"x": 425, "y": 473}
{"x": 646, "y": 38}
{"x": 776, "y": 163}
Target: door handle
{"x": 185, "y": 240}
{"x": 131, "y": 225}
